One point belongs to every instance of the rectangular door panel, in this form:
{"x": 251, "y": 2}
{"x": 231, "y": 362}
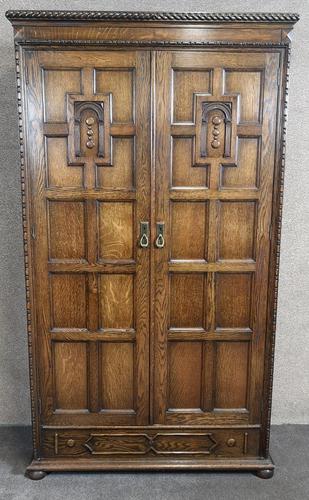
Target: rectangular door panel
{"x": 214, "y": 159}
{"x": 89, "y": 137}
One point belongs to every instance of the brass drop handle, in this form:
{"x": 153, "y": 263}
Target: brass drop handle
{"x": 144, "y": 234}
{"x": 160, "y": 241}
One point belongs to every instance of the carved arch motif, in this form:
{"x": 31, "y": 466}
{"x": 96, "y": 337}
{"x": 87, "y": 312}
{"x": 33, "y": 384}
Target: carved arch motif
{"x": 85, "y": 112}
{"x": 98, "y": 109}
{"x": 225, "y": 109}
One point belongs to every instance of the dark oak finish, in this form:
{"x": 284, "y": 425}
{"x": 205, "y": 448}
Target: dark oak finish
{"x": 154, "y": 351}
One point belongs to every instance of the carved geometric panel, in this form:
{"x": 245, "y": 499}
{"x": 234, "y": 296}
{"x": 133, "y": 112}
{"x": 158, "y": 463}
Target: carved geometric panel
{"x": 70, "y": 361}
{"x": 190, "y": 443}
{"x": 186, "y": 83}
{"x": 183, "y": 175}
{"x": 67, "y": 230}
{"x": 246, "y": 174}
{"x": 116, "y": 225}
{"x": 57, "y": 84}
{"x": 121, "y": 174}
{"x": 188, "y": 230}
{"x": 68, "y": 300}
{"x": 59, "y": 174}
{"x": 116, "y": 299}
{"x": 248, "y": 84}
{"x": 232, "y": 360}
{"x": 236, "y": 235}
{"x": 187, "y": 300}
{"x": 120, "y": 84}
{"x": 233, "y": 300}
{"x": 116, "y": 375}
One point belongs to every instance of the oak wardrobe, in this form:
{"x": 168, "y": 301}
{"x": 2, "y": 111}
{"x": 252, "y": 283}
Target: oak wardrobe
{"x": 152, "y": 155}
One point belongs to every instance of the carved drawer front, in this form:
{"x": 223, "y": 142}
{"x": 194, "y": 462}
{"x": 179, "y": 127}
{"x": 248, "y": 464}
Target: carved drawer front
{"x": 202, "y": 443}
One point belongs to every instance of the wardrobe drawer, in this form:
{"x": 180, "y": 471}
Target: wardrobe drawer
{"x": 151, "y": 442}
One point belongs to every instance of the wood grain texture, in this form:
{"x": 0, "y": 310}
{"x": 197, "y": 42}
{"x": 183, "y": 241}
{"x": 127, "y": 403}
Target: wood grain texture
{"x": 185, "y": 361}
{"x": 234, "y": 233}
{"x": 117, "y": 376}
{"x": 66, "y": 230}
{"x": 116, "y": 225}
{"x": 70, "y": 375}
{"x": 117, "y": 301}
{"x": 213, "y": 353}
{"x": 231, "y": 364}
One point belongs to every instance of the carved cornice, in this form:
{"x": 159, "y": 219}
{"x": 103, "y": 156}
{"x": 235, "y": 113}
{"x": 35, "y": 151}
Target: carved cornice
{"x": 154, "y": 43}
{"x": 194, "y": 17}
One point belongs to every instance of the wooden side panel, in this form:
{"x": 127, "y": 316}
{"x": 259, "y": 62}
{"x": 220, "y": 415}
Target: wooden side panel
{"x": 117, "y": 302}
{"x": 232, "y": 360}
{"x": 117, "y": 376}
{"x": 70, "y": 376}
{"x": 233, "y": 300}
{"x": 67, "y": 230}
{"x": 189, "y": 226}
{"x": 120, "y": 83}
{"x": 182, "y": 173}
{"x": 116, "y": 224}
{"x": 58, "y": 174}
{"x": 246, "y": 174}
{"x": 186, "y": 83}
{"x": 249, "y": 86}
{"x": 68, "y": 301}
{"x": 56, "y": 84}
{"x": 121, "y": 174}
{"x": 186, "y": 289}
{"x": 236, "y": 239}
{"x": 185, "y": 363}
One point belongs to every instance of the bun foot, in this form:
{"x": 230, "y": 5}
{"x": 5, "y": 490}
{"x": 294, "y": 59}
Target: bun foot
{"x": 265, "y": 473}
{"x": 36, "y": 475}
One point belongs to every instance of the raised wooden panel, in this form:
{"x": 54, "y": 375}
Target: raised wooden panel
{"x": 233, "y": 300}
{"x": 116, "y": 301}
{"x": 120, "y": 83}
{"x": 59, "y": 173}
{"x": 70, "y": 368}
{"x": 121, "y": 174}
{"x": 68, "y": 300}
{"x": 66, "y": 230}
{"x": 57, "y": 83}
{"x": 246, "y": 173}
{"x": 189, "y": 230}
{"x": 116, "y": 224}
{"x": 185, "y": 365}
{"x": 187, "y": 300}
{"x": 232, "y": 360}
{"x": 236, "y": 236}
{"x": 117, "y": 376}
{"x": 184, "y": 174}
{"x": 248, "y": 84}
{"x": 186, "y": 83}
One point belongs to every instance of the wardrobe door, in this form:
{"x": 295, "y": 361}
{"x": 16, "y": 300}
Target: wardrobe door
{"x": 88, "y": 157}
{"x": 215, "y": 146}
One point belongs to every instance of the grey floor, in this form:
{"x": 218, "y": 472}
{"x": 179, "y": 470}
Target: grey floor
{"x": 290, "y": 451}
